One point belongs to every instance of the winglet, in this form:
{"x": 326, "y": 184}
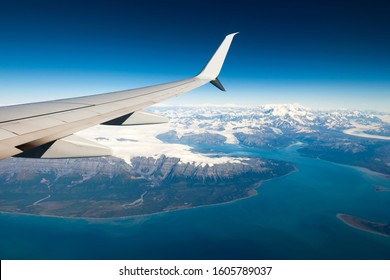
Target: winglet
{"x": 218, "y": 84}
{"x": 211, "y": 70}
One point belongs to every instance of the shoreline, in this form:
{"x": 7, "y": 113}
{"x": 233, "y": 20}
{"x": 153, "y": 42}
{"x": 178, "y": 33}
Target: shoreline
{"x": 360, "y": 168}
{"x": 250, "y": 193}
{"x": 371, "y": 172}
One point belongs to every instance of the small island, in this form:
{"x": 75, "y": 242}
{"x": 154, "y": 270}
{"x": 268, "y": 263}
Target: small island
{"x": 381, "y": 188}
{"x": 365, "y": 225}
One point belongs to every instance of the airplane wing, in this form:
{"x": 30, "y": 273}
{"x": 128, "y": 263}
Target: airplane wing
{"x": 46, "y": 129}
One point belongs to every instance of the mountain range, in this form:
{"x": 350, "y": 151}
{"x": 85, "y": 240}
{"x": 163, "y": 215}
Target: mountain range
{"x": 190, "y": 161}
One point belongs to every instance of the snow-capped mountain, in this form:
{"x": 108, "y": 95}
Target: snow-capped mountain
{"x": 266, "y": 127}
{"x": 276, "y": 118}
{"x": 204, "y": 155}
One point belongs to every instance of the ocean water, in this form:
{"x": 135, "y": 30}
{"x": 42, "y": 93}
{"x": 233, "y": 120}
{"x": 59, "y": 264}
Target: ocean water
{"x": 292, "y": 217}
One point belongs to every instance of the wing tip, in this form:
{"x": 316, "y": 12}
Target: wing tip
{"x": 232, "y": 34}
{"x": 213, "y": 67}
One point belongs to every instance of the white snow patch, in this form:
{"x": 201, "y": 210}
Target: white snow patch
{"x": 385, "y": 118}
{"x": 148, "y": 145}
{"x": 276, "y": 130}
{"x": 358, "y": 130}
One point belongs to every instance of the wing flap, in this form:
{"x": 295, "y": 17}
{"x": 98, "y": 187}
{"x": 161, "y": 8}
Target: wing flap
{"x": 8, "y": 151}
{"x": 5, "y": 134}
{"x": 144, "y": 117}
{"x": 72, "y": 146}
{"x": 138, "y": 118}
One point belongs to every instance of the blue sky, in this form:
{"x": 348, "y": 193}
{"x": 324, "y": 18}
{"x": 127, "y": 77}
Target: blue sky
{"x": 322, "y": 54}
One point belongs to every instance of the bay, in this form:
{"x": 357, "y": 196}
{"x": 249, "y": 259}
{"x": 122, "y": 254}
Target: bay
{"x": 292, "y": 217}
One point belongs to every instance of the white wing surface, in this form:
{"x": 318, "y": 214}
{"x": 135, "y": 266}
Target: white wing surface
{"x": 45, "y": 129}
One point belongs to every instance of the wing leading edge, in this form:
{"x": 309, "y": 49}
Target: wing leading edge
{"x": 45, "y": 129}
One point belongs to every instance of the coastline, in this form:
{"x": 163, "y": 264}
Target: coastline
{"x": 250, "y": 193}
{"x": 361, "y": 169}
{"x": 371, "y": 172}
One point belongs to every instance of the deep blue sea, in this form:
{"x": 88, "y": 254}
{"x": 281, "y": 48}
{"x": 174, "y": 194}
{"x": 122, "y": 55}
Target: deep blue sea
{"x": 292, "y": 217}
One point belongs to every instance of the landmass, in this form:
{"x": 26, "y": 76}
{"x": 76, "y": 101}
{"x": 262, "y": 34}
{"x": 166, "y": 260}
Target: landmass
{"x": 337, "y": 147}
{"x": 110, "y": 187}
{"x": 365, "y": 225}
{"x": 328, "y": 135}
{"x": 186, "y": 162}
